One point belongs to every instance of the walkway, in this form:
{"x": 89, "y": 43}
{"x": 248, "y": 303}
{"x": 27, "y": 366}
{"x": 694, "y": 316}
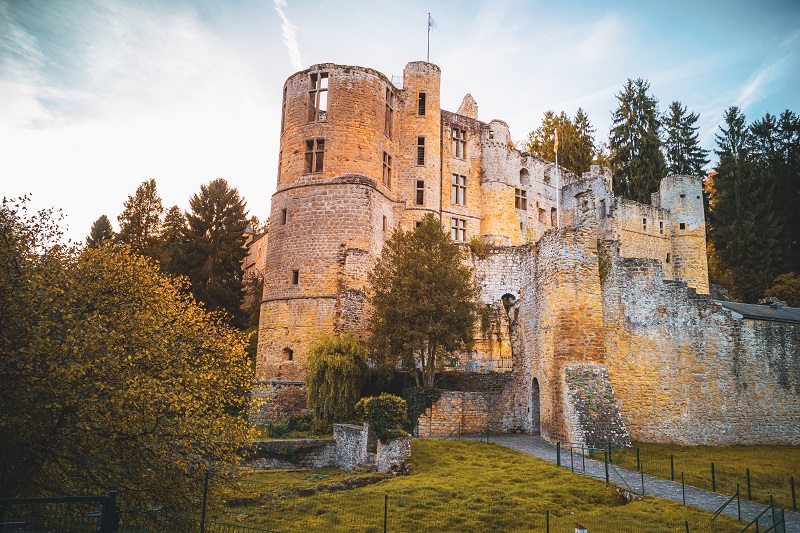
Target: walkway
{"x": 710, "y": 501}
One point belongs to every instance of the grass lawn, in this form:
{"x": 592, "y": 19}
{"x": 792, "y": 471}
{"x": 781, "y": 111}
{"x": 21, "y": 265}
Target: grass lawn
{"x": 457, "y": 486}
{"x": 770, "y": 467}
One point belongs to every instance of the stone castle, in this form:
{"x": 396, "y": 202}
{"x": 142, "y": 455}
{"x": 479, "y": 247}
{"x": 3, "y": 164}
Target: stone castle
{"x": 596, "y": 322}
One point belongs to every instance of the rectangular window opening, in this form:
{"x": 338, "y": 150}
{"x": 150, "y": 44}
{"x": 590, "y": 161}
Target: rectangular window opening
{"x": 668, "y": 258}
{"x": 387, "y": 170}
{"x": 315, "y": 155}
{"x": 644, "y": 224}
{"x": 389, "y": 116}
{"x": 458, "y": 229}
{"x": 682, "y": 225}
{"x": 661, "y": 227}
{"x": 420, "y": 196}
{"x": 421, "y": 104}
{"x": 318, "y": 97}
{"x": 553, "y": 216}
{"x": 284, "y": 214}
{"x": 542, "y": 216}
{"x": 420, "y": 151}
{"x": 295, "y": 277}
{"x": 385, "y": 224}
{"x": 458, "y": 191}
{"x": 459, "y": 143}
{"x": 521, "y": 199}
{"x": 601, "y": 209}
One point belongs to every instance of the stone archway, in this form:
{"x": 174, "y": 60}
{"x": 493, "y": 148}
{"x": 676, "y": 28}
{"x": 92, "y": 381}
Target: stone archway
{"x": 535, "y": 427}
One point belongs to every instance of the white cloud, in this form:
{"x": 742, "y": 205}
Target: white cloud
{"x": 289, "y": 32}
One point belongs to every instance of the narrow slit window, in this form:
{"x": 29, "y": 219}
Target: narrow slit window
{"x": 668, "y": 258}
{"x": 458, "y": 194}
{"x": 661, "y": 227}
{"x": 387, "y": 170}
{"x": 458, "y": 229}
{"x": 295, "y": 277}
{"x": 459, "y": 143}
{"x": 389, "y": 116}
{"x": 315, "y": 155}
{"x": 421, "y": 104}
{"x": 644, "y": 224}
{"x": 420, "y": 196}
{"x": 420, "y": 151}
{"x": 601, "y": 209}
{"x": 318, "y": 97}
{"x": 284, "y": 215}
{"x": 553, "y": 216}
{"x": 385, "y": 224}
{"x": 521, "y": 199}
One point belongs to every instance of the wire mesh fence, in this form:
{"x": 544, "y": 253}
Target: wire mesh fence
{"x": 753, "y": 484}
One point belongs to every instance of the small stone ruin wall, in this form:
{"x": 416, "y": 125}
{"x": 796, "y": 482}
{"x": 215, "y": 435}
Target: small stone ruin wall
{"x": 275, "y": 400}
{"x": 292, "y": 453}
{"x": 592, "y": 409}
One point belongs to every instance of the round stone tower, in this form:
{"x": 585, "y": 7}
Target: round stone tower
{"x": 331, "y": 211}
{"x": 683, "y": 197}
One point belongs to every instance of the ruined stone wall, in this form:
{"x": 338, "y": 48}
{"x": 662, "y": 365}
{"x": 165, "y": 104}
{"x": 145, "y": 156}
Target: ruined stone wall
{"x": 643, "y": 231}
{"x": 275, "y": 400}
{"x": 685, "y": 371}
{"x": 468, "y": 412}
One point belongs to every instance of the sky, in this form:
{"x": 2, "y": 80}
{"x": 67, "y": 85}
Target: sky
{"x": 97, "y": 96}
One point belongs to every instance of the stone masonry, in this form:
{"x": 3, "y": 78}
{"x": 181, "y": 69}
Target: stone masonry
{"x": 593, "y": 308}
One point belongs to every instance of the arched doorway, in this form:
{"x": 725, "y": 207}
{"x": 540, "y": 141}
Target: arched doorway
{"x": 535, "y": 429}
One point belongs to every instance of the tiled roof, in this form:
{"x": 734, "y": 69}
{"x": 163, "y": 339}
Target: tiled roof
{"x": 774, "y": 312}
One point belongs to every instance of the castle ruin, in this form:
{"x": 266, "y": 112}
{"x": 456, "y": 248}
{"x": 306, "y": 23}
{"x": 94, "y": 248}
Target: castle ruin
{"x": 596, "y": 321}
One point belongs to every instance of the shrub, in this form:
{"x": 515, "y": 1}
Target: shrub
{"x": 337, "y": 367}
{"x": 384, "y": 414}
{"x": 418, "y": 399}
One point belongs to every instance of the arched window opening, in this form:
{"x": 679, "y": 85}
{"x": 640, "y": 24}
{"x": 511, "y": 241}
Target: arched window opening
{"x": 288, "y": 354}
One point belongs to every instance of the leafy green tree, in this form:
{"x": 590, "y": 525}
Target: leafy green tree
{"x": 173, "y": 241}
{"x": 337, "y": 366}
{"x": 101, "y": 233}
{"x": 576, "y": 150}
{"x": 786, "y": 287}
{"x": 215, "y": 247}
{"x": 423, "y": 300}
{"x": 636, "y": 158}
{"x": 140, "y": 221}
{"x": 682, "y": 150}
{"x": 743, "y": 224}
{"x": 111, "y": 376}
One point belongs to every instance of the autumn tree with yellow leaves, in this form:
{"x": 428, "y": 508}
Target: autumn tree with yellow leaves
{"x": 111, "y": 375}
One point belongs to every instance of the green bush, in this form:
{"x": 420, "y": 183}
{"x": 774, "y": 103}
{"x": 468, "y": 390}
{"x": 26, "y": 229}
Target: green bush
{"x": 418, "y": 399}
{"x": 337, "y": 368}
{"x": 384, "y": 414}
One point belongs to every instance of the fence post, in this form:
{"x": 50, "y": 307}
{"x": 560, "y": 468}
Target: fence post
{"x": 108, "y": 512}
{"x": 605, "y": 462}
{"x": 205, "y": 500}
{"x": 671, "y": 467}
{"x": 638, "y": 462}
{"x": 642, "y": 474}
{"x": 738, "y": 503}
{"x": 687, "y": 526}
{"x": 385, "y": 511}
{"x": 558, "y": 453}
{"x": 794, "y": 499}
{"x": 571, "y": 460}
{"x": 713, "y": 479}
{"x": 683, "y": 489}
{"x": 608, "y": 445}
{"x": 547, "y": 520}
{"x": 749, "y": 493}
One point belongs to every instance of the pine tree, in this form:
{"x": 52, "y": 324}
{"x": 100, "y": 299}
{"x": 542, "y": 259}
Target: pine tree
{"x": 173, "y": 242}
{"x": 215, "y": 247}
{"x": 743, "y": 224}
{"x": 682, "y": 150}
{"x": 140, "y": 221}
{"x": 576, "y": 150}
{"x": 101, "y": 233}
{"x": 636, "y": 158}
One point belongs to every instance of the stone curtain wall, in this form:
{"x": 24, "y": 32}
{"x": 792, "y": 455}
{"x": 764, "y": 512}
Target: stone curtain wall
{"x": 471, "y": 411}
{"x": 685, "y": 371}
{"x": 274, "y": 400}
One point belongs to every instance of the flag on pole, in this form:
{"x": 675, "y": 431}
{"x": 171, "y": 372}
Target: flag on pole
{"x": 555, "y": 145}
{"x": 431, "y": 22}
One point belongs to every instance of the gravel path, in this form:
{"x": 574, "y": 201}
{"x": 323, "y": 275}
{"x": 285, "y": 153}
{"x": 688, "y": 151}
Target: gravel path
{"x": 661, "y": 488}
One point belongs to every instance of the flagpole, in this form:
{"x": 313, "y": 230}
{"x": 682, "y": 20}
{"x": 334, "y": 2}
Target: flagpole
{"x": 429, "y": 38}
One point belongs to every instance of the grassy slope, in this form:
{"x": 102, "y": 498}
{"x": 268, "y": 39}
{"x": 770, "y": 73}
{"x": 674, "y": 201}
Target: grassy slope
{"x": 770, "y": 467}
{"x": 463, "y": 486}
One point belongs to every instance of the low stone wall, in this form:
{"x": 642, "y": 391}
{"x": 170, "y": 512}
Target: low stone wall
{"x": 353, "y": 448}
{"x": 275, "y": 400}
{"x": 473, "y": 412}
{"x": 392, "y": 456}
{"x": 292, "y": 453}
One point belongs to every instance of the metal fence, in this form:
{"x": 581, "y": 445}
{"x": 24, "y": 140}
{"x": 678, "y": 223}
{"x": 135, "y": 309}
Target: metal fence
{"x": 79, "y": 514}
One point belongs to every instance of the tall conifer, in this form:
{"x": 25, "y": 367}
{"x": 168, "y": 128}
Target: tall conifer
{"x": 682, "y": 150}
{"x": 636, "y": 157}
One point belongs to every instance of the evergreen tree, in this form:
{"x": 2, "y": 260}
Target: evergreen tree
{"x": 636, "y": 158}
{"x": 743, "y": 225}
{"x": 423, "y": 300}
{"x": 173, "y": 242}
{"x": 682, "y": 150}
{"x": 101, "y": 233}
{"x": 140, "y": 221}
{"x": 215, "y": 247}
{"x": 576, "y": 150}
